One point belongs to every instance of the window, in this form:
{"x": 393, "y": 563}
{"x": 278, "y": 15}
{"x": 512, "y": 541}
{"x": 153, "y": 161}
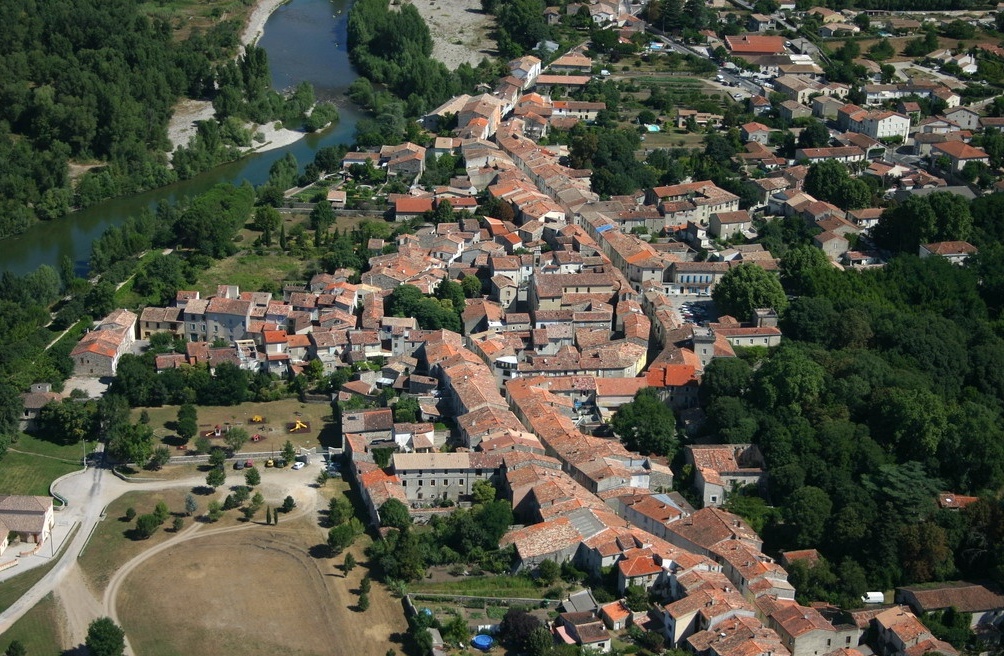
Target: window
{"x": 420, "y": 483}
{"x": 446, "y": 482}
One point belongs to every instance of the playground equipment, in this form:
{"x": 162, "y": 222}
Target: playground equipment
{"x": 257, "y": 419}
{"x": 483, "y": 642}
{"x": 299, "y": 426}
{"x": 256, "y": 437}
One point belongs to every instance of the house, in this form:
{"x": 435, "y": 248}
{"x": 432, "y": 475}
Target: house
{"x": 616, "y": 615}
{"x": 726, "y": 224}
{"x": 583, "y": 629}
{"x": 409, "y": 207}
{"x": 831, "y": 243}
{"x": 985, "y": 604}
{"x": 160, "y": 320}
{"x": 30, "y": 517}
{"x": 898, "y": 632}
{"x": 826, "y": 16}
{"x": 760, "y": 23}
{"x": 337, "y": 198}
{"x": 99, "y": 350}
{"x": 826, "y": 107}
{"x": 33, "y": 401}
{"x": 955, "y": 252}
{"x": 721, "y": 469}
{"x": 571, "y": 63}
{"x": 754, "y": 45}
{"x": 842, "y": 154}
{"x": 959, "y": 154}
{"x": 790, "y": 110}
{"x": 876, "y": 124}
{"x": 837, "y": 29}
{"x": 431, "y": 476}
{"x": 525, "y": 69}
{"x": 754, "y": 131}
{"x": 964, "y": 117}
{"x": 701, "y": 119}
{"x": 759, "y": 105}
{"x": 802, "y": 629}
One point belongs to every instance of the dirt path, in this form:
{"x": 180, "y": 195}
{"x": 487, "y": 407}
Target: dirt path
{"x": 78, "y": 607}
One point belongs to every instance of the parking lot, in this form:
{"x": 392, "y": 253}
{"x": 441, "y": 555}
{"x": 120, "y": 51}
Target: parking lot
{"x": 695, "y": 309}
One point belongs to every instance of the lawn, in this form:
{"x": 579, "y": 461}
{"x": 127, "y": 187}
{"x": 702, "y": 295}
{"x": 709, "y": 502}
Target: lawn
{"x": 277, "y": 413}
{"x": 110, "y": 547}
{"x": 482, "y": 586}
{"x": 31, "y": 464}
{"x": 14, "y": 587}
{"x": 38, "y": 629}
{"x": 250, "y": 272}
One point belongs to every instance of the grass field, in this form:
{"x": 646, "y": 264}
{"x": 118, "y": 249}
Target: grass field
{"x": 482, "y": 586}
{"x": 274, "y": 432}
{"x": 31, "y": 464}
{"x": 189, "y": 15}
{"x": 249, "y": 272}
{"x": 110, "y": 547}
{"x": 38, "y": 629}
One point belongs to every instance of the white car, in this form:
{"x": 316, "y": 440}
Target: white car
{"x": 299, "y": 465}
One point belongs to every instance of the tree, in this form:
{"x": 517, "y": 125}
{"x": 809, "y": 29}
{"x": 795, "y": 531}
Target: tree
{"x": 105, "y": 638}
{"x": 132, "y": 443}
{"x": 216, "y": 477}
{"x": 483, "y": 492}
{"x": 161, "y": 456}
{"x": 365, "y": 584}
{"x": 217, "y": 458}
{"x": 349, "y": 564}
{"x": 288, "y": 451}
{"x": 814, "y": 135}
{"x": 161, "y": 512}
{"x": 178, "y": 523}
{"x": 539, "y": 642}
{"x": 214, "y": 511}
{"x": 406, "y": 410}
{"x": 147, "y": 525}
{"x": 130, "y": 514}
{"x": 808, "y": 510}
{"x": 268, "y": 515}
{"x": 940, "y": 216}
{"x": 636, "y": 598}
{"x": 15, "y": 648}
{"x": 340, "y": 538}
{"x": 395, "y": 514}
{"x": 230, "y": 385}
{"x": 472, "y": 286}
{"x": 288, "y": 504}
{"x": 724, "y": 377}
{"x": 236, "y": 438}
{"x": 190, "y": 505}
{"x": 829, "y": 180}
{"x": 746, "y": 288}
{"x": 516, "y": 627}
{"x": 547, "y": 572}
{"x": 647, "y": 425}
{"x": 364, "y": 601}
{"x": 339, "y": 510}
{"x": 203, "y": 444}
{"x": 252, "y": 477}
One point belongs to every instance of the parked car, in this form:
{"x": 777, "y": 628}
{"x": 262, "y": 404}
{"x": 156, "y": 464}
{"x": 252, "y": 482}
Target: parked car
{"x": 299, "y": 465}
{"x": 249, "y": 463}
{"x": 279, "y": 462}
{"x": 238, "y": 465}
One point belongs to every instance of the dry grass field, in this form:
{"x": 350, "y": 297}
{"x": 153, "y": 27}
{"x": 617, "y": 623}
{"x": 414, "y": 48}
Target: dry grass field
{"x": 110, "y": 546}
{"x": 273, "y": 432}
{"x": 251, "y": 592}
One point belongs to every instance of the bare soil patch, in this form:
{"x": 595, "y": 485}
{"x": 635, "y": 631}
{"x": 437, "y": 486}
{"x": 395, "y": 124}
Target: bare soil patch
{"x": 258, "y": 592}
{"x": 460, "y": 31}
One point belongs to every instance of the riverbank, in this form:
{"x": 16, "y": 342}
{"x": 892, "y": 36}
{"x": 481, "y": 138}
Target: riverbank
{"x": 460, "y": 31}
{"x": 187, "y": 113}
{"x": 256, "y": 21}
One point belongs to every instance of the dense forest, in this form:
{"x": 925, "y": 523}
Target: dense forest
{"x": 94, "y": 82}
{"x": 887, "y": 389}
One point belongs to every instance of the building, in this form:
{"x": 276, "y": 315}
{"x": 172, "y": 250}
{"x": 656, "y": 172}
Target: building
{"x": 959, "y": 154}
{"x": 985, "y": 604}
{"x": 877, "y": 124}
{"x": 754, "y": 131}
{"x": 955, "y": 252}
{"x": 721, "y": 469}
{"x": 724, "y": 225}
{"x": 431, "y": 476}
{"x": 33, "y": 401}
{"x": 754, "y": 45}
{"x": 31, "y": 518}
{"x": 98, "y": 351}
{"x": 900, "y": 633}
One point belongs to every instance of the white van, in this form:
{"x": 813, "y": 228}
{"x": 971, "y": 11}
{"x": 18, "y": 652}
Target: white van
{"x": 873, "y": 598}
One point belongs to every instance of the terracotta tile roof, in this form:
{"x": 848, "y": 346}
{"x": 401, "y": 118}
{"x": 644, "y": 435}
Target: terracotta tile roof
{"x": 964, "y": 596}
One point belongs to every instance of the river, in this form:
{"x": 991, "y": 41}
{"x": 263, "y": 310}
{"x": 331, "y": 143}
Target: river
{"x": 305, "y": 41}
